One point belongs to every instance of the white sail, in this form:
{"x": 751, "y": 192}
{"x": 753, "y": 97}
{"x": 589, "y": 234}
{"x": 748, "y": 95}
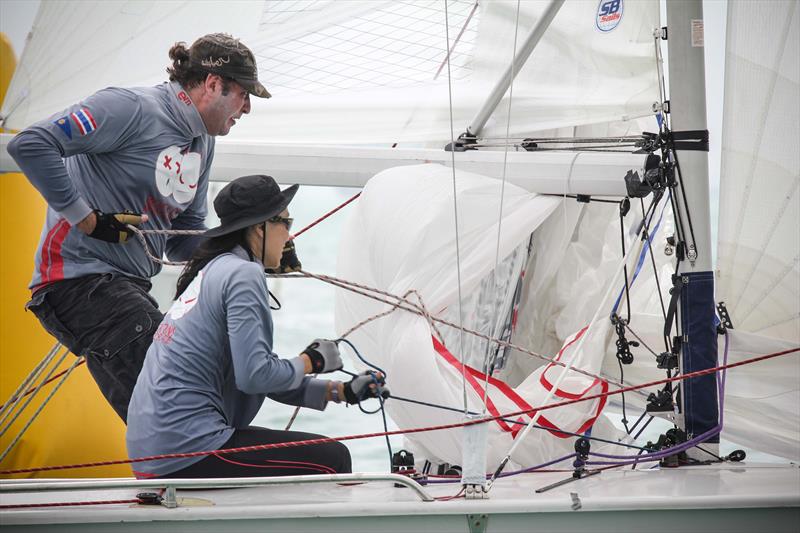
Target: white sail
{"x": 361, "y": 71}
{"x": 76, "y": 48}
{"x": 759, "y": 223}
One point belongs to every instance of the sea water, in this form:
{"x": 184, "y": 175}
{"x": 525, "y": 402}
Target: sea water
{"x": 306, "y": 314}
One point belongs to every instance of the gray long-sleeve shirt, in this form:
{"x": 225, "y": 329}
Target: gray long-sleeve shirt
{"x": 144, "y": 150}
{"x": 210, "y": 366}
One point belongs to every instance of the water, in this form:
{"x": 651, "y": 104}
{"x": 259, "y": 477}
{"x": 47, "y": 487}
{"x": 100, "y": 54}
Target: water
{"x": 306, "y": 314}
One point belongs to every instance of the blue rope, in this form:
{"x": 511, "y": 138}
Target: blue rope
{"x": 380, "y": 398}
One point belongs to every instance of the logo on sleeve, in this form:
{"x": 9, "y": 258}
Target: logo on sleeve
{"x": 177, "y": 173}
{"x": 84, "y": 121}
{"x": 63, "y": 124}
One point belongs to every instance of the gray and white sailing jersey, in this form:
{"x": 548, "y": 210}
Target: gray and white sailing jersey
{"x": 210, "y": 366}
{"x": 143, "y": 150}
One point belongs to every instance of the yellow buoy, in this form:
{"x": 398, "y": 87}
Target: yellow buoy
{"x": 77, "y": 425}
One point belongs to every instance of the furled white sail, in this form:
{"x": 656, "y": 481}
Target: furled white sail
{"x": 401, "y": 236}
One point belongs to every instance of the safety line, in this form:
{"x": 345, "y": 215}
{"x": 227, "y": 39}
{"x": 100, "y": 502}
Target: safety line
{"x": 66, "y": 504}
{"x": 326, "y": 440}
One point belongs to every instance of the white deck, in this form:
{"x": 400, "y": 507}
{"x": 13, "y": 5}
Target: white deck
{"x": 729, "y": 497}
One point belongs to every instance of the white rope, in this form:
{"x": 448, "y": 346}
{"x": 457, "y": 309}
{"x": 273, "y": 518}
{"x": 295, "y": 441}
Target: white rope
{"x": 18, "y": 394}
{"x": 455, "y": 213}
{"x": 45, "y": 402}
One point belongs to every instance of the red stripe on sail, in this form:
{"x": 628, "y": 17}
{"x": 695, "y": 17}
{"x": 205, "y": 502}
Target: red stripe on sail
{"x": 472, "y": 373}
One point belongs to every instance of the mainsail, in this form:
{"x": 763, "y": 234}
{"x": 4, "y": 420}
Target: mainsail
{"x": 362, "y": 71}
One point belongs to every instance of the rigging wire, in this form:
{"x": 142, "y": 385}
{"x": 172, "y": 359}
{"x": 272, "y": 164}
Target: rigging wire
{"x": 455, "y": 211}
{"x": 655, "y": 271}
{"x": 488, "y": 364}
{"x": 42, "y": 406}
{"x": 693, "y": 248}
{"x": 7, "y": 423}
{"x": 29, "y": 379}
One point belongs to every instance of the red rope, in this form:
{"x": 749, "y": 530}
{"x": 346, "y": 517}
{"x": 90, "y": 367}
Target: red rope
{"x": 323, "y": 217}
{"x": 65, "y": 504}
{"x": 326, "y": 440}
{"x": 29, "y": 391}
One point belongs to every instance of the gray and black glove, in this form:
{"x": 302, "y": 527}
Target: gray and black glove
{"x": 113, "y": 227}
{"x": 368, "y": 384}
{"x": 324, "y": 355}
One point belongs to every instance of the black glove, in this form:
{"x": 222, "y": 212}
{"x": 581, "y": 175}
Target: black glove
{"x": 289, "y": 261}
{"x": 112, "y": 227}
{"x": 368, "y": 384}
{"x": 324, "y": 355}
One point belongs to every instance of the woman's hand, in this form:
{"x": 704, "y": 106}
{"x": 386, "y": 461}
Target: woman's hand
{"x": 368, "y": 384}
{"x": 322, "y": 357}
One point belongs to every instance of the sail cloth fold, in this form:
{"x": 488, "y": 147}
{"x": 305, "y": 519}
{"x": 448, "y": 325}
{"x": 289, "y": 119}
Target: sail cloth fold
{"x": 401, "y": 236}
{"x": 348, "y": 72}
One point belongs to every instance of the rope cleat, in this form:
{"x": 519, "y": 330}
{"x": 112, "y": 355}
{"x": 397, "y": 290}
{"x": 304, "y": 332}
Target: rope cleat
{"x": 403, "y": 464}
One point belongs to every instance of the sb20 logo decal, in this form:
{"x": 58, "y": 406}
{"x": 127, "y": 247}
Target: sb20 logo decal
{"x": 609, "y": 14}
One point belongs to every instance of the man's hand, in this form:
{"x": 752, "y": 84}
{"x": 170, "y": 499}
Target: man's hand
{"x": 368, "y": 384}
{"x": 110, "y": 227}
{"x": 324, "y": 356}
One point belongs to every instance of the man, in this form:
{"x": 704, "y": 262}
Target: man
{"x": 136, "y": 156}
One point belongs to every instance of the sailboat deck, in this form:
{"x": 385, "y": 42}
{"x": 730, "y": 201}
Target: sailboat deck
{"x": 733, "y": 497}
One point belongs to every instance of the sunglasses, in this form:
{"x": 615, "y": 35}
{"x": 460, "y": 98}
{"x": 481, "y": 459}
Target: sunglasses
{"x": 286, "y": 221}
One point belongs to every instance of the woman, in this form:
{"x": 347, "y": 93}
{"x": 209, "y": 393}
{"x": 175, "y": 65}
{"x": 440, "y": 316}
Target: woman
{"x": 211, "y": 363}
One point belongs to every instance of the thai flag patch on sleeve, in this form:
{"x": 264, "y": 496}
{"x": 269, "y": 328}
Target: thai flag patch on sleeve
{"x": 84, "y": 121}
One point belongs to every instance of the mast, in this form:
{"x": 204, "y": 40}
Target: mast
{"x": 695, "y": 282}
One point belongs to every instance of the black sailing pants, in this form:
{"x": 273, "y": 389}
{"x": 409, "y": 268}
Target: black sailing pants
{"x": 328, "y": 458}
{"x": 108, "y": 318}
